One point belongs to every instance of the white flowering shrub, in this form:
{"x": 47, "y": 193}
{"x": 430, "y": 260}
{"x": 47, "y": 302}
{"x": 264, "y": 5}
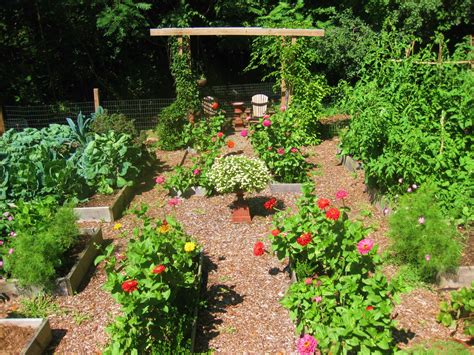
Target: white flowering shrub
{"x": 239, "y": 173}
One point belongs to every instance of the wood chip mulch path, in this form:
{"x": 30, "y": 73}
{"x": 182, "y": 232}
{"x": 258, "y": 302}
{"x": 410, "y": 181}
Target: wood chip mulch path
{"x": 242, "y": 312}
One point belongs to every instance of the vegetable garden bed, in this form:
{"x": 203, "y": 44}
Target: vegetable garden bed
{"x": 108, "y": 213}
{"x": 68, "y": 284}
{"x": 25, "y": 336}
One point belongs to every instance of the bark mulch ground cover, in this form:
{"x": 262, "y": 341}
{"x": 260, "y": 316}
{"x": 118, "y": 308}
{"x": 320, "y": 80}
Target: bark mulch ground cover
{"x": 241, "y": 310}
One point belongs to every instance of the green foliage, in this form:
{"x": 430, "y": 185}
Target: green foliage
{"x": 202, "y": 134}
{"x": 420, "y": 232}
{"x": 173, "y": 118}
{"x": 279, "y": 145}
{"x": 40, "y": 306}
{"x": 117, "y": 122}
{"x": 238, "y": 173}
{"x": 414, "y": 121}
{"x": 39, "y": 163}
{"x": 44, "y": 232}
{"x": 342, "y": 297}
{"x": 459, "y": 309}
{"x": 436, "y": 347}
{"x": 80, "y": 128}
{"x": 157, "y": 316}
{"x": 110, "y": 161}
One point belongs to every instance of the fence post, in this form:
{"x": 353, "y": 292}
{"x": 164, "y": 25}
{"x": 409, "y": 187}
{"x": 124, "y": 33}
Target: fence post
{"x": 96, "y": 99}
{"x": 2, "y": 121}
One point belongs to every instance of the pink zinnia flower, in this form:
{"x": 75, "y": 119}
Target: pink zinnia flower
{"x": 427, "y": 257}
{"x": 267, "y": 123}
{"x": 173, "y": 202}
{"x": 421, "y": 220}
{"x": 307, "y": 345}
{"x": 270, "y": 148}
{"x": 281, "y": 151}
{"x": 317, "y": 299}
{"x": 196, "y": 172}
{"x": 308, "y": 281}
{"x": 1, "y": 242}
{"x": 1, "y": 263}
{"x": 341, "y": 194}
{"x": 244, "y": 133}
{"x": 265, "y": 117}
{"x": 294, "y": 150}
{"x": 220, "y": 134}
{"x": 282, "y": 108}
{"x": 365, "y": 246}
{"x": 10, "y": 251}
{"x": 160, "y": 179}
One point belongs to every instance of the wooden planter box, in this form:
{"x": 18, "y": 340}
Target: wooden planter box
{"x": 41, "y": 337}
{"x": 463, "y": 277}
{"x": 107, "y": 213}
{"x": 69, "y": 284}
{"x": 196, "y": 308}
{"x": 195, "y": 190}
{"x": 292, "y": 188}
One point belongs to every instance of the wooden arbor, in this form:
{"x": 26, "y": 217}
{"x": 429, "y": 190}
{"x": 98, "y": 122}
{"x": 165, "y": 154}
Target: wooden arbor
{"x": 240, "y": 31}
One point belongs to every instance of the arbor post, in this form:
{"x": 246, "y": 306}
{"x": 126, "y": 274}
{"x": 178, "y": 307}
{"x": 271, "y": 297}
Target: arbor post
{"x": 96, "y": 99}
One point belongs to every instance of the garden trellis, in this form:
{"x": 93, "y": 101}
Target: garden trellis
{"x": 240, "y": 31}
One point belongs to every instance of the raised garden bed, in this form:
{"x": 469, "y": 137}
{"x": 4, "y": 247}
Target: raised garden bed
{"x": 108, "y": 213}
{"x": 196, "y": 307}
{"x": 192, "y": 191}
{"x": 68, "y": 284}
{"x": 294, "y": 188}
{"x": 25, "y": 336}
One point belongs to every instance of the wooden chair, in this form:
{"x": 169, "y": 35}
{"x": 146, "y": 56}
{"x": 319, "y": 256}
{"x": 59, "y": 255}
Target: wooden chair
{"x": 259, "y": 105}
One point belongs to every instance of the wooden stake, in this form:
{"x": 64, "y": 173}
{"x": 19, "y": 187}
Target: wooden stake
{"x": 2, "y": 122}
{"x": 283, "y": 84}
{"x": 96, "y": 99}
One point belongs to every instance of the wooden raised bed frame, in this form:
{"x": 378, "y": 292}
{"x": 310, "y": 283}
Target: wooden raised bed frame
{"x": 40, "y": 339}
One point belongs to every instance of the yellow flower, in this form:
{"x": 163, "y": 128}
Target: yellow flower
{"x": 164, "y": 228}
{"x": 189, "y": 247}
{"x": 117, "y": 226}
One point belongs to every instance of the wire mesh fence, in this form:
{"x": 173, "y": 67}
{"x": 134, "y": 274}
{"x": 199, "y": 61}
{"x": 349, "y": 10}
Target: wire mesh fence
{"x": 145, "y": 112}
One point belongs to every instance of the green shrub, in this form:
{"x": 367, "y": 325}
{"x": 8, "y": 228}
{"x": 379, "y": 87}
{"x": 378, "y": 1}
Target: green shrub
{"x": 422, "y": 237}
{"x": 460, "y": 309}
{"x": 170, "y": 126}
{"x": 156, "y": 283}
{"x": 44, "y": 232}
{"x": 117, "y": 122}
{"x": 414, "y": 122}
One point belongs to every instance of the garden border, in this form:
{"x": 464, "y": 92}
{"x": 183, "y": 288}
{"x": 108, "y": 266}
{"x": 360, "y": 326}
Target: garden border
{"x": 107, "y": 213}
{"x": 40, "y": 339}
{"x": 69, "y": 284}
{"x": 196, "y": 308}
{"x": 294, "y": 188}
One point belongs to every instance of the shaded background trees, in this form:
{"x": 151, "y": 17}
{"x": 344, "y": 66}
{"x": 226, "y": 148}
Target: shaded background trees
{"x": 58, "y": 50}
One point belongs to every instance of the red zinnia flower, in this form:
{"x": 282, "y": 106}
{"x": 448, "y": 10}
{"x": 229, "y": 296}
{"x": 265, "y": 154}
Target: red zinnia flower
{"x": 270, "y": 204}
{"x": 369, "y": 308}
{"x": 333, "y": 213}
{"x": 304, "y": 239}
{"x": 323, "y": 203}
{"x": 275, "y": 232}
{"x": 230, "y": 144}
{"x": 220, "y": 134}
{"x": 258, "y": 249}
{"x": 159, "y": 269}
{"x": 130, "y": 286}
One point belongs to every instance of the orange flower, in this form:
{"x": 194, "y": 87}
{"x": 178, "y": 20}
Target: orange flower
{"x": 230, "y": 144}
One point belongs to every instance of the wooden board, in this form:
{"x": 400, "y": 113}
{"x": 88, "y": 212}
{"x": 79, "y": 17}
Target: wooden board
{"x": 236, "y": 31}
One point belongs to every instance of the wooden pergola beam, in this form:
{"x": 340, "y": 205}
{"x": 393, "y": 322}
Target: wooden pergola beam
{"x": 236, "y": 31}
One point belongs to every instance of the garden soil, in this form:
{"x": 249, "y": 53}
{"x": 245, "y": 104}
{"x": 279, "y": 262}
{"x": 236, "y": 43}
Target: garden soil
{"x": 241, "y": 300}
{"x": 14, "y": 338}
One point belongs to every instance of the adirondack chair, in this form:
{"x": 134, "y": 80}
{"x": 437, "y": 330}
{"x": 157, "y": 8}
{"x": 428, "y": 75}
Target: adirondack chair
{"x": 259, "y": 105}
